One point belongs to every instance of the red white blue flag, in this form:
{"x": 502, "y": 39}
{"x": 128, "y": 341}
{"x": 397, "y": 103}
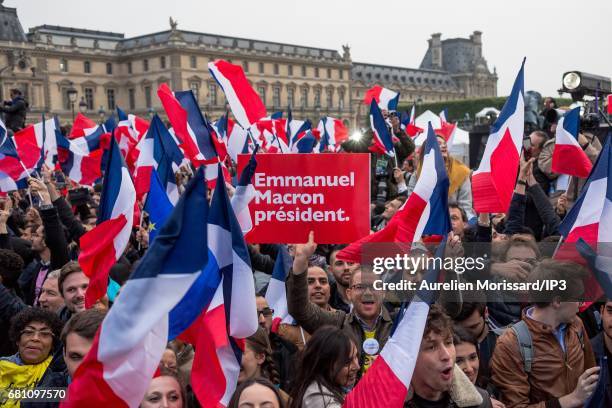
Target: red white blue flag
{"x": 385, "y": 98}
{"x": 568, "y": 157}
{"x": 493, "y": 182}
{"x": 103, "y": 246}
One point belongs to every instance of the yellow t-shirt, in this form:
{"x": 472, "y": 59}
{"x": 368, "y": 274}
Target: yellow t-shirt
{"x": 18, "y": 377}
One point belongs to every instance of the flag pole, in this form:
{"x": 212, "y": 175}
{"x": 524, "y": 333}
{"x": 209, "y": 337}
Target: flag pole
{"x": 557, "y": 247}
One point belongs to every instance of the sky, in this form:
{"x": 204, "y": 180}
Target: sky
{"x": 555, "y": 36}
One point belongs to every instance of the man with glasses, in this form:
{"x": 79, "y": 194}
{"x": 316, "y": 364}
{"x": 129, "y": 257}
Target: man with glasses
{"x": 36, "y": 333}
{"x": 368, "y": 321}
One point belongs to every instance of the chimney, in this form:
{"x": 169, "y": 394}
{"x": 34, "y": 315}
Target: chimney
{"x": 476, "y": 38}
{"x": 436, "y": 51}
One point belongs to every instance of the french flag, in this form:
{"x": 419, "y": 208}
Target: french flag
{"x": 128, "y": 132}
{"x": 568, "y": 157}
{"x": 244, "y": 194}
{"x": 591, "y": 215}
{"x": 296, "y": 130}
{"x": 159, "y": 151}
{"x": 493, "y": 182}
{"x": 12, "y": 174}
{"x": 129, "y": 345}
{"x": 407, "y": 123}
{"x": 386, "y": 383}
{"x": 193, "y": 130}
{"x": 385, "y": 98}
{"x": 333, "y": 134}
{"x": 38, "y": 143}
{"x": 188, "y": 124}
{"x": 102, "y": 246}
{"x": 245, "y": 103}
{"x": 600, "y": 264}
{"x": 590, "y": 218}
{"x": 424, "y": 213}
{"x": 81, "y": 158}
{"x": 383, "y": 142}
{"x": 305, "y": 144}
{"x": 82, "y": 126}
{"x": 276, "y": 294}
{"x": 232, "y": 314}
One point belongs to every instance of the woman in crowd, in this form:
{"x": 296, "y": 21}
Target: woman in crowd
{"x": 328, "y": 370}
{"x": 36, "y": 333}
{"x": 164, "y": 391}
{"x": 257, "y": 359}
{"x": 468, "y": 359}
{"x": 256, "y": 393}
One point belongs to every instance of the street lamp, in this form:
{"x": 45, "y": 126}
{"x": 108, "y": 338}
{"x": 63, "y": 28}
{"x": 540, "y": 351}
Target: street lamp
{"x": 101, "y": 113}
{"x": 83, "y": 105}
{"x": 72, "y": 97}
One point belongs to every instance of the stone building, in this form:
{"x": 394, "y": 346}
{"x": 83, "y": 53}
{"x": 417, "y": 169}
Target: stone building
{"x": 451, "y": 69}
{"x": 105, "y": 70}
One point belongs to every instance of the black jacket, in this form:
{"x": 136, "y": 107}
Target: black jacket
{"x": 55, "y": 238}
{"x": 15, "y": 113}
{"x": 10, "y": 305}
{"x": 599, "y": 349}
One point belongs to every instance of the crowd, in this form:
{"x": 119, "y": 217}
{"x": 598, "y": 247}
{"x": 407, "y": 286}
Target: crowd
{"x": 519, "y": 351}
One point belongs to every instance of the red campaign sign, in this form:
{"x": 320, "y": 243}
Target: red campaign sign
{"x": 296, "y": 193}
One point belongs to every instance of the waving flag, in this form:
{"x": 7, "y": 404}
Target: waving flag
{"x": 244, "y": 194}
{"x": 82, "y": 126}
{"x": 600, "y": 264}
{"x": 158, "y": 206}
{"x": 158, "y": 151}
{"x": 382, "y": 137}
{"x": 276, "y": 294}
{"x": 386, "y": 383}
{"x": 12, "y": 174}
{"x": 385, "y": 98}
{"x": 305, "y": 144}
{"x": 444, "y": 115}
{"x": 407, "y": 123}
{"x": 81, "y": 158}
{"x": 493, "y": 182}
{"x": 245, "y": 103}
{"x": 333, "y": 134}
{"x": 128, "y": 347}
{"x": 568, "y": 157}
{"x": 102, "y": 246}
{"x": 590, "y": 217}
{"x": 128, "y": 132}
{"x": 297, "y": 129}
{"x": 38, "y": 143}
{"x": 232, "y": 314}
{"x": 188, "y": 124}
{"x": 425, "y": 211}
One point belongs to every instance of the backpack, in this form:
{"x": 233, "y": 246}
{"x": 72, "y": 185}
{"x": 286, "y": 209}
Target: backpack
{"x": 525, "y": 343}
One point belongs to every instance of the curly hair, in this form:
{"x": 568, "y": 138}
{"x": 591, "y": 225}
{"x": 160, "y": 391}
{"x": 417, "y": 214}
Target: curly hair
{"x": 11, "y": 266}
{"x": 260, "y": 344}
{"x": 34, "y": 314}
